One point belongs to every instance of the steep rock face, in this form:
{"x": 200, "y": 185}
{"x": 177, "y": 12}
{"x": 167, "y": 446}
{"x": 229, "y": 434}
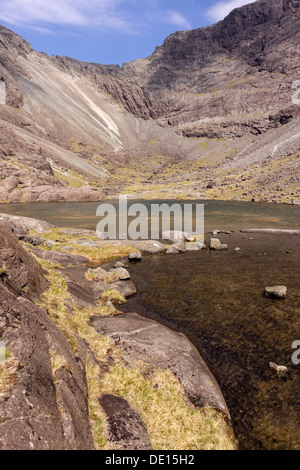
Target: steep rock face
{"x": 12, "y": 46}
{"x": 112, "y": 81}
{"x": 19, "y": 268}
{"x": 224, "y": 80}
{"x": 38, "y": 414}
{"x": 30, "y": 416}
{"x": 207, "y": 103}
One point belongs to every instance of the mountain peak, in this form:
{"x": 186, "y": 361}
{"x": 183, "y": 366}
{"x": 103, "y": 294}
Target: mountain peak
{"x": 209, "y": 102}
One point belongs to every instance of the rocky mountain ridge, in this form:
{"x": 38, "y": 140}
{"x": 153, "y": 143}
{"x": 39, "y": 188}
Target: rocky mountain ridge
{"x": 209, "y": 115}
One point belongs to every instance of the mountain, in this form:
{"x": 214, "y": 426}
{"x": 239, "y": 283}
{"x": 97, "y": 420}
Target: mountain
{"x": 213, "y": 113}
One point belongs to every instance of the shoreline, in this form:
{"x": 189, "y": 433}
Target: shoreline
{"x": 132, "y": 197}
{"x": 230, "y": 277}
{"x": 166, "y": 351}
{"x": 127, "y": 329}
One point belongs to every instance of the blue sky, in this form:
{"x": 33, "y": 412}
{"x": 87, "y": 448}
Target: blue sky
{"x": 107, "y": 31}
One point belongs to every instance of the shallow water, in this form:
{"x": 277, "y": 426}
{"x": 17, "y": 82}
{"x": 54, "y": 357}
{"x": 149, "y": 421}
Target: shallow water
{"x": 216, "y": 299}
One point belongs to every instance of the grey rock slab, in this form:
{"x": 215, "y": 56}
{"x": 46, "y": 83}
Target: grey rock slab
{"x": 78, "y": 286}
{"x": 122, "y": 273}
{"x": 23, "y": 225}
{"x": 276, "y": 292}
{"x": 177, "y": 248}
{"x": 215, "y": 244}
{"x": 125, "y": 288}
{"x": 146, "y": 340}
{"x": 61, "y": 257}
{"x": 125, "y": 426}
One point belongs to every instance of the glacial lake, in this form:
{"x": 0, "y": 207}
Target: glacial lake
{"x": 225, "y": 215}
{"x": 216, "y": 299}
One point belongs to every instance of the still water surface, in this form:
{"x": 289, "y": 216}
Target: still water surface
{"x": 218, "y": 214}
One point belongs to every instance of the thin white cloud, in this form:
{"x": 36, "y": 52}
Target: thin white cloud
{"x": 178, "y": 20}
{"x": 81, "y": 13}
{"x": 222, "y": 9}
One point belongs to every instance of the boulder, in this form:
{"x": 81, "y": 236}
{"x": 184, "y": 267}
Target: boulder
{"x": 144, "y": 340}
{"x": 125, "y": 288}
{"x": 23, "y": 225}
{"x": 38, "y": 413}
{"x": 215, "y": 244}
{"x": 35, "y": 241}
{"x": 148, "y": 247}
{"x": 177, "y": 248}
{"x": 79, "y": 287}
{"x": 119, "y": 264}
{"x": 14, "y": 197}
{"x": 135, "y": 257}
{"x": 276, "y": 292}
{"x": 11, "y": 183}
{"x": 99, "y": 273}
{"x": 3, "y": 194}
{"x": 122, "y": 273}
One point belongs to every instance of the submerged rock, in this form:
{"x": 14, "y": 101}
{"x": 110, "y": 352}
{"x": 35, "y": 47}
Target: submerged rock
{"x": 177, "y": 248}
{"x": 195, "y": 246}
{"x": 176, "y": 235}
{"x": 119, "y": 264}
{"x": 281, "y": 370}
{"x": 122, "y": 273}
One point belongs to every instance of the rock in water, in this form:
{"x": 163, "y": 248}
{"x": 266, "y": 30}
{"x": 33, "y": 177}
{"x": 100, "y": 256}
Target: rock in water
{"x": 122, "y": 273}
{"x": 176, "y": 235}
{"x": 281, "y": 370}
{"x": 135, "y": 257}
{"x": 178, "y": 247}
{"x": 215, "y": 244}
{"x": 276, "y": 292}
{"x": 119, "y": 264}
